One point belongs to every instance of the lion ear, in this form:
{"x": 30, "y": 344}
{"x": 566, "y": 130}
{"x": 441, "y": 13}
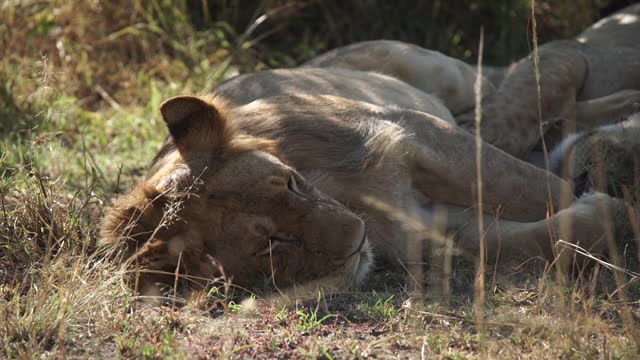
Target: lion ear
{"x": 195, "y": 124}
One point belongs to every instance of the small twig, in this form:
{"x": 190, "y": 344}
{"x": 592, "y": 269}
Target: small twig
{"x": 4, "y": 210}
{"x": 105, "y": 95}
{"x": 582, "y": 251}
{"x": 118, "y": 178}
{"x": 457, "y": 318}
{"x": 416, "y": 282}
{"x": 175, "y": 279}
{"x": 158, "y": 297}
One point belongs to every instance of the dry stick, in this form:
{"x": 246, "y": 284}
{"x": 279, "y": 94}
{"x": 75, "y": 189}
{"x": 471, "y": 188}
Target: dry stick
{"x": 2, "y": 195}
{"x": 497, "y": 260}
{"x": 480, "y": 280}
{"x": 446, "y": 270}
{"x": 273, "y": 272}
{"x": 175, "y": 281}
{"x": 460, "y": 319}
{"x": 536, "y": 62}
{"x": 416, "y": 283}
{"x": 415, "y": 255}
{"x": 633, "y": 215}
{"x": 611, "y": 266}
{"x": 4, "y": 210}
{"x": 536, "y": 67}
{"x": 110, "y": 100}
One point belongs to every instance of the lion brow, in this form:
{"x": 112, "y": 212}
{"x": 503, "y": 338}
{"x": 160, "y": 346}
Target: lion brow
{"x": 228, "y": 197}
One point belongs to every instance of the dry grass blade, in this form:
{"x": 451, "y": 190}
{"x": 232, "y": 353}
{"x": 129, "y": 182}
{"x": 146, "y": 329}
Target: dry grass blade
{"x": 583, "y": 252}
{"x": 479, "y": 284}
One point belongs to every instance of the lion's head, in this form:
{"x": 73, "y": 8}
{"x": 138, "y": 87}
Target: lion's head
{"x": 217, "y": 199}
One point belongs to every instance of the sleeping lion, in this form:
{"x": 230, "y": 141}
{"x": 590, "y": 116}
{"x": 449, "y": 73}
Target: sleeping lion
{"x": 313, "y": 175}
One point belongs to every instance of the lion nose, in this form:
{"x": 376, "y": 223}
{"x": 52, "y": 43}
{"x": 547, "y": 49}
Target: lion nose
{"x": 355, "y": 234}
{"x": 341, "y": 237}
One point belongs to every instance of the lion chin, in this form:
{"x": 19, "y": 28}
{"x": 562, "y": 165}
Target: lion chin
{"x": 364, "y": 264}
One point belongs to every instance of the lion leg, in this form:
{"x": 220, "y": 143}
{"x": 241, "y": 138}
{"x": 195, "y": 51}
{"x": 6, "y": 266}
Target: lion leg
{"x": 608, "y": 109}
{"x": 510, "y": 117}
{"x": 592, "y": 222}
{"x": 442, "y": 166}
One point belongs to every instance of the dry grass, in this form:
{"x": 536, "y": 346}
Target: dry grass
{"x": 80, "y": 86}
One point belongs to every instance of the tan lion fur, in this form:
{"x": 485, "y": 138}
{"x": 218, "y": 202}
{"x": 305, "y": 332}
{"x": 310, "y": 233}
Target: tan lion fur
{"x": 304, "y": 175}
{"x": 585, "y": 82}
{"x": 607, "y": 157}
